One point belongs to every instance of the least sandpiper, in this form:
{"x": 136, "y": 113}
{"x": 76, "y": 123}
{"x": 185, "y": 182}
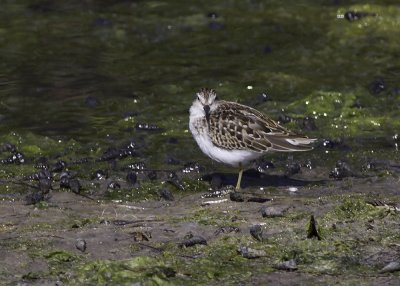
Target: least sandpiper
{"x": 236, "y": 134}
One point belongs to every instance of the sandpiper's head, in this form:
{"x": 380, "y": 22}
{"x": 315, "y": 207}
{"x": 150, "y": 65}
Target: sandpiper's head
{"x": 206, "y": 96}
{"x": 205, "y": 100}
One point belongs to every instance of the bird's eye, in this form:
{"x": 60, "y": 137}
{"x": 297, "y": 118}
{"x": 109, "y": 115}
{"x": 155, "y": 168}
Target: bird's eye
{"x": 198, "y": 98}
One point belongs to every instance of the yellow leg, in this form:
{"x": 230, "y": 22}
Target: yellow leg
{"x": 239, "y": 177}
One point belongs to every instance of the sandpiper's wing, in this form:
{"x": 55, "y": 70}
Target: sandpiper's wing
{"x": 236, "y": 126}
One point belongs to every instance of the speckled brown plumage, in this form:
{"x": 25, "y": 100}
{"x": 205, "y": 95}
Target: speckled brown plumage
{"x": 236, "y": 126}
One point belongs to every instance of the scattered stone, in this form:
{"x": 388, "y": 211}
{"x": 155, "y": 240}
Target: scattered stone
{"x": 377, "y": 86}
{"x": 58, "y": 166}
{"x": 273, "y": 211}
{"x": 256, "y": 231}
{"x": 80, "y": 244}
{"x": 91, "y": 101}
{"x": 251, "y": 253}
{"x": 192, "y": 167}
{"x": 113, "y": 185}
{"x": 167, "y": 195}
{"x": 16, "y": 158}
{"x": 192, "y": 240}
{"x": 312, "y": 229}
{"x": 8, "y": 147}
{"x": 289, "y": 265}
{"x": 75, "y": 186}
{"x": 45, "y": 185}
{"x": 342, "y": 170}
{"x": 391, "y": 267}
{"x": 34, "y": 198}
{"x": 131, "y": 178}
{"x": 236, "y": 197}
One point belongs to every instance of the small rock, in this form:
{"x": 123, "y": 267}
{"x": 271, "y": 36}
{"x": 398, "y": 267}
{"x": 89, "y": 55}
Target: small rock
{"x": 289, "y": 265}
{"x": 80, "y": 244}
{"x": 273, "y": 211}
{"x": 131, "y": 178}
{"x": 192, "y": 240}
{"x": 167, "y": 195}
{"x": 391, "y": 267}
{"x": 251, "y": 253}
{"x": 256, "y": 232}
{"x": 114, "y": 185}
{"x": 342, "y": 170}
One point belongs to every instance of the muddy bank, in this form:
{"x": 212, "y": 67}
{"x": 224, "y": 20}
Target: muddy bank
{"x": 194, "y": 240}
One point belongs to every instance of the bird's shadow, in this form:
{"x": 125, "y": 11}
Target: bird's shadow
{"x": 253, "y": 178}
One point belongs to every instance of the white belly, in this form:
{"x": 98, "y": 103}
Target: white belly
{"x": 229, "y": 157}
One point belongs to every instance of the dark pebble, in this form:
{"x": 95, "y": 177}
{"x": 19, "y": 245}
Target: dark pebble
{"x": 110, "y": 154}
{"x": 80, "y": 244}
{"x": 166, "y": 195}
{"x": 256, "y": 232}
{"x": 58, "y": 166}
{"x": 377, "y": 86}
{"x": 114, "y": 185}
{"x": 289, "y": 265}
{"x": 342, "y": 170}
{"x": 192, "y": 241}
{"x": 131, "y": 178}
{"x": 64, "y": 180}
{"x": 236, "y": 197}
{"x": 75, "y": 186}
{"x": 91, "y": 101}
{"x": 192, "y": 167}
{"x": 34, "y": 198}
{"x": 45, "y": 185}
{"x": 8, "y": 147}
{"x": 16, "y": 158}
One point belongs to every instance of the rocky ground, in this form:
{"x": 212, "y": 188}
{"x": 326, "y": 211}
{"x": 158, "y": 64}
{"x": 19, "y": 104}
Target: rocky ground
{"x": 262, "y": 236}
